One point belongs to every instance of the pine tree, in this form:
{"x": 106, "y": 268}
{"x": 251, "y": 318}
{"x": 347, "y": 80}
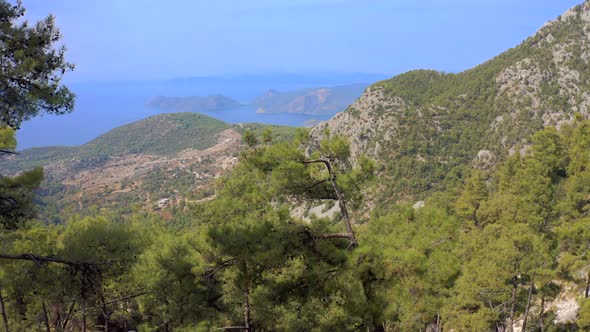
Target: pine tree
{"x": 472, "y": 195}
{"x": 31, "y": 67}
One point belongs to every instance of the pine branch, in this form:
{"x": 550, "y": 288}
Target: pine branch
{"x": 439, "y": 242}
{"x": 336, "y": 236}
{"x": 232, "y": 328}
{"x": 128, "y": 297}
{"x": 44, "y": 259}
{"x": 315, "y": 161}
{"x": 316, "y": 184}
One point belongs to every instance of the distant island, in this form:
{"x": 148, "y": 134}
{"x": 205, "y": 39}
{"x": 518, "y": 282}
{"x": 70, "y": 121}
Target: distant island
{"x": 194, "y": 103}
{"x": 311, "y": 101}
{"x": 315, "y": 101}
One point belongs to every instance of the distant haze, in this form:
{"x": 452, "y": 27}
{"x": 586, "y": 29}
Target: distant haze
{"x": 102, "y": 106}
{"x": 129, "y": 51}
{"x": 140, "y": 39}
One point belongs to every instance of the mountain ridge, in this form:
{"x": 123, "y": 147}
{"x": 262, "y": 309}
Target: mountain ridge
{"x": 428, "y": 127}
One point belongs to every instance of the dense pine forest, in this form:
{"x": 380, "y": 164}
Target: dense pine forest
{"x": 312, "y": 230}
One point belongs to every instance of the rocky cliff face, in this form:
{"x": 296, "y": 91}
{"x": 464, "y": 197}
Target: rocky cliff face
{"x": 427, "y": 127}
{"x": 369, "y": 122}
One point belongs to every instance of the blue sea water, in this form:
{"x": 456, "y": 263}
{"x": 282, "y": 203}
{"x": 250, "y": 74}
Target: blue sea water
{"x": 103, "y": 106}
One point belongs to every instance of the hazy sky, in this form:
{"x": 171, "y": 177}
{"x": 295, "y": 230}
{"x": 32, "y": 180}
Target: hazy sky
{"x": 140, "y": 39}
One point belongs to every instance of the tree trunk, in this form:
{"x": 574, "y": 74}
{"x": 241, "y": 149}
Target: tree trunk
{"x": 343, "y": 208}
{"x": 67, "y": 319}
{"x": 83, "y": 315}
{"x": 341, "y": 199}
{"x": 105, "y": 314}
{"x": 513, "y": 308}
{"x": 528, "y": 305}
{"x": 541, "y": 322}
{"x": 247, "y": 311}
{"x": 20, "y": 304}
{"x": 249, "y": 328}
{"x": 587, "y": 293}
{"x": 3, "y": 310}
{"x": 378, "y": 328}
{"x": 46, "y": 316}
{"x": 106, "y": 322}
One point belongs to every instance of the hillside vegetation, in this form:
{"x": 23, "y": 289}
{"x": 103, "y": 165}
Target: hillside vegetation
{"x": 171, "y": 157}
{"x": 163, "y": 134}
{"x": 509, "y": 251}
{"x": 265, "y": 228}
{"x": 427, "y": 127}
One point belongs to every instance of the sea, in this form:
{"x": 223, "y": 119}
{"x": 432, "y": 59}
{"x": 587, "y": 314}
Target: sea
{"x": 102, "y": 106}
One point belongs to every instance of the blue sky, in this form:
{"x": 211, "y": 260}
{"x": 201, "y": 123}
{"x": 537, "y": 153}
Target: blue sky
{"x": 153, "y": 39}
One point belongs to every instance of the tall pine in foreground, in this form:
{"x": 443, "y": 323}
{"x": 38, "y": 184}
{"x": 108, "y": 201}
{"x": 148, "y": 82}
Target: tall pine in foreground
{"x": 32, "y": 66}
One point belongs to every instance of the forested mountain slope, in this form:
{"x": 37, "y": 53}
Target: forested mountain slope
{"x": 426, "y": 126}
{"x": 154, "y": 162}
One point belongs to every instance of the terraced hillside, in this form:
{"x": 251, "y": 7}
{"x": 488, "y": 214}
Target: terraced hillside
{"x": 149, "y": 164}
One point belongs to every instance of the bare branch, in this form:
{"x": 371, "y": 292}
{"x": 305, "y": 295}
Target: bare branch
{"x": 126, "y": 298}
{"x": 118, "y": 300}
{"x": 336, "y": 236}
{"x": 232, "y": 328}
{"x": 316, "y": 161}
{"x": 313, "y": 185}
{"x": 439, "y": 242}
{"x": 70, "y": 313}
{"x": 44, "y": 259}
{"x": 219, "y": 267}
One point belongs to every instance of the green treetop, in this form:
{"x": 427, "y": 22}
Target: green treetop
{"x": 32, "y": 66}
